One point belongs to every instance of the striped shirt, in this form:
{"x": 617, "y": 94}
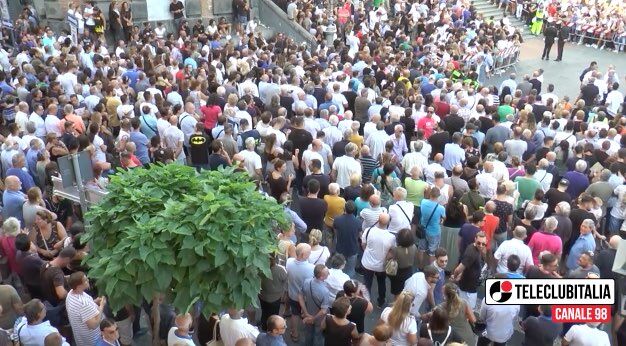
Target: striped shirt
{"x": 368, "y": 165}
{"x": 80, "y": 309}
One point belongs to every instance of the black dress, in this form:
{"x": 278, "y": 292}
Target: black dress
{"x": 336, "y": 335}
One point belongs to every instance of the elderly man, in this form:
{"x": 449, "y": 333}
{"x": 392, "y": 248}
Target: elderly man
{"x": 399, "y": 142}
{"x": 578, "y": 181}
{"x": 377, "y": 139}
{"x": 19, "y": 162}
{"x": 312, "y": 153}
{"x": 13, "y": 199}
{"x": 251, "y": 160}
{"x": 315, "y": 303}
{"x": 376, "y": 242}
{"x": 487, "y": 184}
{"x": 401, "y": 212}
{"x": 415, "y": 158}
{"x": 298, "y": 271}
{"x": 546, "y": 240}
{"x": 370, "y": 214}
{"x": 345, "y": 166}
{"x": 34, "y": 329}
{"x": 542, "y": 175}
{"x": 433, "y": 168}
{"x": 453, "y": 153}
{"x": 584, "y": 243}
{"x": 517, "y": 247}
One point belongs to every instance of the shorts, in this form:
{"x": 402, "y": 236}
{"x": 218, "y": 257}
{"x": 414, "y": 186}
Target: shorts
{"x": 430, "y": 244}
{"x": 294, "y": 305}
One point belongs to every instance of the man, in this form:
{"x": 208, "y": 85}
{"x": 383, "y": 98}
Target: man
{"x": 53, "y": 279}
{"x": 453, "y": 154}
{"x": 550, "y": 34}
{"x": 468, "y": 231}
{"x": 498, "y": 133}
{"x": 316, "y": 173}
{"x": 345, "y": 166}
{"x": 432, "y": 215}
{"x": 10, "y": 305}
{"x": 312, "y": 154}
{"x": 563, "y": 35}
{"x": 546, "y": 240}
{"x": 541, "y": 331}
{"x": 589, "y": 93}
{"x": 500, "y": 321}
{"x": 542, "y": 175}
{"x": 218, "y": 157}
{"x": 487, "y": 184}
{"x": 554, "y": 196}
{"x": 585, "y": 267}
{"x": 433, "y": 168}
{"x": 276, "y": 327}
{"x": 315, "y": 302}
{"x": 584, "y": 243}
{"x": 467, "y": 273}
{"x": 421, "y": 286}
{"x": 517, "y": 247}
{"x": 586, "y": 334}
{"x": 441, "y": 263}
{"x": 13, "y": 199}
{"x": 312, "y": 208}
{"x": 298, "y": 271}
{"x": 252, "y": 160}
{"x": 371, "y": 213}
{"x": 187, "y": 122}
{"x": 198, "y": 147}
{"x": 83, "y": 312}
{"x": 232, "y": 328}
{"x": 32, "y": 329}
{"x": 376, "y": 242}
{"x": 401, "y": 212}
{"x": 459, "y": 186}
{"x": 605, "y": 258}
{"x": 527, "y": 185}
{"x": 578, "y": 181}
{"x": 399, "y": 142}
{"x": 109, "y": 334}
{"x": 413, "y": 159}
{"x": 29, "y": 264}
{"x": 177, "y": 9}
{"x": 577, "y": 216}
{"x": 347, "y": 228}
{"x": 369, "y": 164}
{"x": 140, "y": 140}
{"x": 602, "y": 188}
{"x": 173, "y": 138}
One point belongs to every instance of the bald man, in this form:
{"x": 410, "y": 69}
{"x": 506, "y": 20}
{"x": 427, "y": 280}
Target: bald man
{"x": 298, "y": 270}
{"x": 371, "y": 213}
{"x": 174, "y": 139}
{"x": 431, "y": 169}
{"x": 13, "y": 199}
{"x": 605, "y": 258}
{"x": 313, "y": 152}
{"x": 376, "y": 242}
{"x": 487, "y": 183}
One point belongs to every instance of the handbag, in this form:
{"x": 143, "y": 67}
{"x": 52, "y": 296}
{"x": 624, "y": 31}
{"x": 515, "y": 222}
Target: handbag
{"x": 215, "y": 341}
{"x": 391, "y": 267}
{"x": 420, "y": 230}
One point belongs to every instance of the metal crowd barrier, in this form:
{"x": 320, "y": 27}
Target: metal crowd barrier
{"x": 505, "y": 59}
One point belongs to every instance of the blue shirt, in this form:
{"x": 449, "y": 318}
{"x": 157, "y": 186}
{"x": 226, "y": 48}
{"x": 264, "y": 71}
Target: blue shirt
{"x": 265, "y": 339}
{"x": 297, "y": 273}
{"x": 132, "y": 77}
{"x": 102, "y": 342}
{"x": 31, "y": 162}
{"x": 347, "y": 228}
{"x": 148, "y": 125}
{"x": 514, "y": 275}
{"x": 433, "y": 228}
{"x": 298, "y": 222}
{"x": 578, "y": 183}
{"x": 141, "y": 142}
{"x": 192, "y": 62}
{"x": 438, "y": 291}
{"x": 25, "y": 178}
{"x": 13, "y": 202}
{"x": 582, "y": 244}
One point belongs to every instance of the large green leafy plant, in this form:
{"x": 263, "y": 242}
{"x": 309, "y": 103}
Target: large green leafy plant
{"x": 192, "y": 236}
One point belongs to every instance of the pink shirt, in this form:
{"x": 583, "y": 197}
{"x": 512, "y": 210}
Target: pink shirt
{"x": 542, "y": 241}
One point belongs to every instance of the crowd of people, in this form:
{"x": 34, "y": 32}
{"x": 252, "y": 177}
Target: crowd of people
{"x": 392, "y": 154}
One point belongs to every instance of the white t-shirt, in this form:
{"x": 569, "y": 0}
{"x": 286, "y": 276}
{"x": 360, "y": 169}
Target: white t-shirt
{"x": 417, "y": 285}
{"x": 52, "y": 124}
{"x": 310, "y": 155}
{"x": 251, "y": 160}
{"x": 409, "y": 326}
{"x": 171, "y": 137}
{"x": 584, "y": 335}
{"x": 80, "y": 309}
{"x": 232, "y": 330}
{"x": 319, "y": 256}
{"x": 173, "y": 339}
{"x": 401, "y": 214}
{"x": 345, "y": 167}
{"x": 99, "y": 156}
{"x": 378, "y": 243}
{"x": 513, "y": 247}
{"x": 335, "y": 280}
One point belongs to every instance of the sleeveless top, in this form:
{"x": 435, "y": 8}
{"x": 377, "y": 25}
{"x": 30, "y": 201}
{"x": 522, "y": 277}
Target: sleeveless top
{"x": 47, "y": 243}
{"x": 336, "y": 335}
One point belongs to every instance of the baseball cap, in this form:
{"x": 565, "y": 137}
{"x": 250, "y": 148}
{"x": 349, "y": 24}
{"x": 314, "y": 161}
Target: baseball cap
{"x": 564, "y": 182}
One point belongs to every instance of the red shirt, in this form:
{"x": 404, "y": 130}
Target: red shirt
{"x": 210, "y": 115}
{"x": 427, "y": 125}
{"x": 441, "y": 109}
{"x": 490, "y": 224}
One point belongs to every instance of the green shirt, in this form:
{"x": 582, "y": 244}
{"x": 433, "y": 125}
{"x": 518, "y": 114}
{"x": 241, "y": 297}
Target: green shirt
{"x": 526, "y": 188}
{"x": 504, "y": 110}
{"x": 414, "y": 190}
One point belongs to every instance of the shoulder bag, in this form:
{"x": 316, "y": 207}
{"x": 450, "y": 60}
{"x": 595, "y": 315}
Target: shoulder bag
{"x": 420, "y": 230}
{"x": 359, "y": 265}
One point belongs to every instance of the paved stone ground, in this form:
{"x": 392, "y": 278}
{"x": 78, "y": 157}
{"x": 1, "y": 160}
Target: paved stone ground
{"x": 563, "y": 74}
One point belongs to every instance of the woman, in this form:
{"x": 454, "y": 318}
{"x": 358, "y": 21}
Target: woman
{"x": 100, "y": 23}
{"x": 445, "y": 189}
{"x": 361, "y": 306}
{"x": 127, "y": 20}
{"x": 351, "y": 192}
{"x": 380, "y": 336}
{"x": 286, "y": 245}
{"x": 277, "y": 183}
{"x": 516, "y": 169}
{"x": 387, "y": 184}
{"x": 400, "y": 320}
{"x": 47, "y": 234}
{"x": 271, "y": 152}
{"x": 319, "y": 254}
{"x": 336, "y": 277}
{"x": 10, "y": 229}
{"x": 211, "y": 111}
{"x": 385, "y": 158}
{"x": 470, "y": 150}
{"x": 438, "y": 329}
{"x": 460, "y": 314}
{"x": 335, "y": 203}
{"x": 55, "y": 147}
{"x": 539, "y": 208}
{"x": 33, "y": 204}
{"x": 272, "y": 291}
{"x": 336, "y": 328}
{"x": 406, "y": 255}
{"x": 363, "y": 201}
{"x": 115, "y": 21}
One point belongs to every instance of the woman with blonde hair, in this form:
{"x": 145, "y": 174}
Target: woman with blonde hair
{"x": 47, "y": 234}
{"x": 10, "y": 229}
{"x": 400, "y": 320}
{"x": 319, "y": 254}
{"x": 460, "y": 315}
{"x": 286, "y": 246}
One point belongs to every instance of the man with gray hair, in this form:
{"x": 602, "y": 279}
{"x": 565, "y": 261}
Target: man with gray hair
{"x": 346, "y": 165}
{"x": 542, "y": 175}
{"x": 514, "y": 246}
{"x": 332, "y": 134}
{"x": 17, "y": 169}
{"x": 578, "y": 181}
{"x": 584, "y": 243}
{"x": 377, "y": 139}
{"x": 401, "y": 212}
{"x": 414, "y": 158}
{"x": 453, "y": 154}
{"x": 546, "y": 240}
{"x": 602, "y": 188}
{"x": 251, "y": 160}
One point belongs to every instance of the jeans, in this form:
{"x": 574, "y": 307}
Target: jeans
{"x": 380, "y": 279}
{"x": 350, "y": 265}
{"x": 313, "y": 335}
{"x": 613, "y": 224}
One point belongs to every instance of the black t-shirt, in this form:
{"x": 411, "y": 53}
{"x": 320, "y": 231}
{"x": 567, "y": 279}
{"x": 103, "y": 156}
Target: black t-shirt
{"x": 589, "y": 93}
{"x": 339, "y": 148}
{"x": 473, "y": 263}
{"x": 177, "y": 6}
{"x": 301, "y": 139}
{"x": 324, "y": 181}
{"x": 51, "y": 277}
{"x": 439, "y": 337}
{"x": 29, "y": 267}
{"x": 454, "y": 123}
{"x": 199, "y": 149}
{"x": 216, "y": 160}
{"x": 604, "y": 262}
{"x": 541, "y": 153}
{"x": 438, "y": 141}
{"x": 357, "y": 314}
{"x": 313, "y": 211}
{"x": 540, "y": 331}
{"x": 554, "y": 197}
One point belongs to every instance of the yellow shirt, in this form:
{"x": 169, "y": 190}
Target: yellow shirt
{"x": 336, "y": 206}
{"x": 356, "y": 139}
